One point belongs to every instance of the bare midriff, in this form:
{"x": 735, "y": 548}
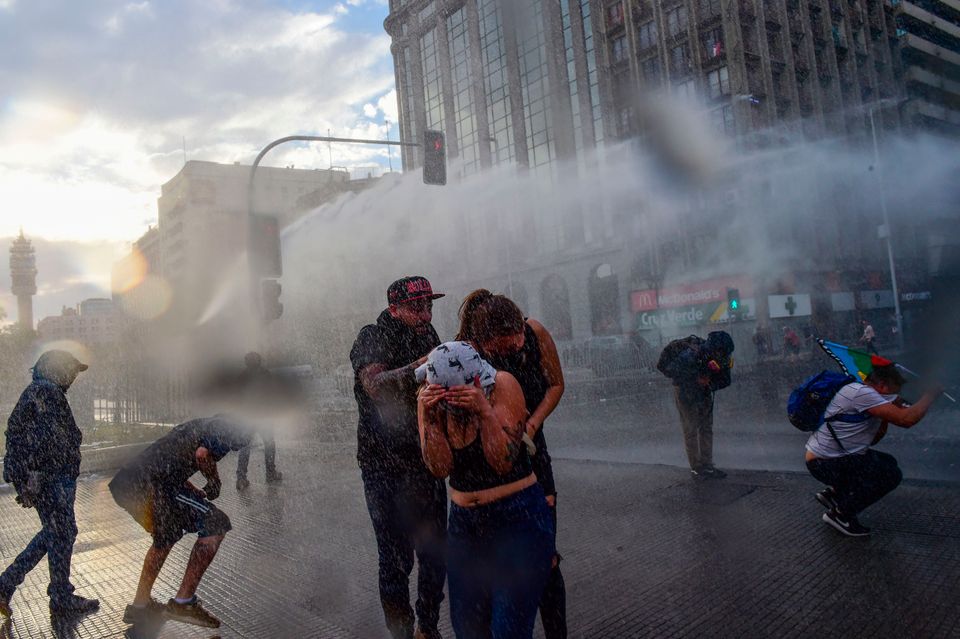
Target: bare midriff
{"x": 490, "y": 495}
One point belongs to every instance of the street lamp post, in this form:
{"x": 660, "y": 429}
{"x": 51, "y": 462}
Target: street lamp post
{"x": 887, "y": 232}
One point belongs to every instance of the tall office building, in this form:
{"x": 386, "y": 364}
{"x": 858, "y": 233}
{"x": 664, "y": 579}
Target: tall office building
{"x": 506, "y": 81}
{"x": 534, "y": 83}
{"x": 820, "y": 68}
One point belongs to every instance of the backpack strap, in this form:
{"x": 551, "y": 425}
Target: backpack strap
{"x": 846, "y": 419}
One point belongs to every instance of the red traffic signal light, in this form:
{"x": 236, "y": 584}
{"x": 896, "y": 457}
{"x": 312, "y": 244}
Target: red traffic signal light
{"x": 434, "y": 158}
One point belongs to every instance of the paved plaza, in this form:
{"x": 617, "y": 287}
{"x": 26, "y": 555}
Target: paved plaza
{"x": 648, "y": 553}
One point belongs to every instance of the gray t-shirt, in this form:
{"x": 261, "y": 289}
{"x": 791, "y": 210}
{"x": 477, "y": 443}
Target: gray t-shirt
{"x": 852, "y": 399}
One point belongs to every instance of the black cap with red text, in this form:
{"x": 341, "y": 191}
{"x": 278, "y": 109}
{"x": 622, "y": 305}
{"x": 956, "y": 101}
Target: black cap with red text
{"x": 410, "y": 288}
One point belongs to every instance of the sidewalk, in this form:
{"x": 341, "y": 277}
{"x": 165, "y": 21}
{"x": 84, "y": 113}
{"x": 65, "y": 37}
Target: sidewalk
{"x": 648, "y": 553}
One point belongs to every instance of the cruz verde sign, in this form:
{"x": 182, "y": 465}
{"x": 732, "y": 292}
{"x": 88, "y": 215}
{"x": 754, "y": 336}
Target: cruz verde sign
{"x": 691, "y": 304}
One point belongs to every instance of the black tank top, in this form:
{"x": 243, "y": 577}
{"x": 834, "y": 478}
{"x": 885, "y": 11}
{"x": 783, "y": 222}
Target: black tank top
{"x": 472, "y": 472}
{"x": 526, "y": 365}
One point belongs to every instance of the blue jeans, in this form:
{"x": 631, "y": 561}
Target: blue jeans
{"x": 498, "y": 563}
{"x": 408, "y": 510}
{"x": 54, "y": 505}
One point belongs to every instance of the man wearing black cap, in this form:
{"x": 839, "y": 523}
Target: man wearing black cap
{"x": 42, "y": 462}
{"x": 407, "y": 504}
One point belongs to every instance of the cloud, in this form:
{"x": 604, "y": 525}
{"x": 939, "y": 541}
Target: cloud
{"x": 96, "y": 100}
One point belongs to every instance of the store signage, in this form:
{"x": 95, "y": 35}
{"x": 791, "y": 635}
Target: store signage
{"x": 876, "y": 299}
{"x": 797, "y": 305}
{"x": 687, "y": 295}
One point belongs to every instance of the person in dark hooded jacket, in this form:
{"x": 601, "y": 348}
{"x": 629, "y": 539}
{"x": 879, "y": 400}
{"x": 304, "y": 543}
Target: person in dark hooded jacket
{"x": 42, "y": 462}
{"x": 698, "y": 368}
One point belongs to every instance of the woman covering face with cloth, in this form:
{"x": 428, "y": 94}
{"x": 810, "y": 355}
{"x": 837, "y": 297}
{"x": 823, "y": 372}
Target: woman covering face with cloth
{"x": 500, "y": 534}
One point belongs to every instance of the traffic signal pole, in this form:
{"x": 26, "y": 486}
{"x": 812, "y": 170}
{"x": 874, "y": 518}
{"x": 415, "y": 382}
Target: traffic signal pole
{"x": 255, "y": 278}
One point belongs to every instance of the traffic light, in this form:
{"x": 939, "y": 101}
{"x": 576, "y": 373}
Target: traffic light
{"x": 434, "y": 158}
{"x": 264, "y": 246}
{"x": 733, "y": 300}
{"x": 270, "y": 305}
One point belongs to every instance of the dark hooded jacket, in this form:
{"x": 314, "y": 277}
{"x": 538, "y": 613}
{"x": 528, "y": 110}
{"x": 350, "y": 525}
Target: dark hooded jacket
{"x": 387, "y": 435}
{"x": 41, "y": 432}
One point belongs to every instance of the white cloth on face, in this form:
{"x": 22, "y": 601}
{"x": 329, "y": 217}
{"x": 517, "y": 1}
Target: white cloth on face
{"x": 852, "y": 399}
{"x": 456, "y": 364}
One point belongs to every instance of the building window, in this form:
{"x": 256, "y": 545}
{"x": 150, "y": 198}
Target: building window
{"x": 647, "y": 35}
{"x": 615, "y": 15}
{"x": 432, "y": 90}
{"x": 495, "y": 81}
{"x": 676, "y": 21}
{"x": 650, "y": 68}
{"x": 466, "y": 125}
{"x": 718, "y": 82}
{"x": 686, "y": 90}
{"x": 618, "y": 49}
{"x": 680, "y": 60}
{"x": 722, "y": 119}
{"x": 708, "y": 8}
{"x": 712, "y": 41}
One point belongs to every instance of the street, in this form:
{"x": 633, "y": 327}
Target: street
{"x": 647, "y": 553}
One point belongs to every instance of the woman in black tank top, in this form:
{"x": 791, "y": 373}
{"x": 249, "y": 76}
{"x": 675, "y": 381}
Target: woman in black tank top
{"x": 500, "y": 533}
{"x": 525, "y": 349}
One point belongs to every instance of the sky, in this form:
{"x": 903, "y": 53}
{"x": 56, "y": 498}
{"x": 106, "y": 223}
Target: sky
{"x": 101, "y": 101}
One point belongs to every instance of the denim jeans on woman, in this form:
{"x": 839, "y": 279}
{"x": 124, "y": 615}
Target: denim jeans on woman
{"x": 54, "y": 504}
{"x": 499, "y": 559}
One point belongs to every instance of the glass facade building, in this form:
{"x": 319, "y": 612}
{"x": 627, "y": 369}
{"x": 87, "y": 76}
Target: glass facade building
{"x": 507, "y": 81}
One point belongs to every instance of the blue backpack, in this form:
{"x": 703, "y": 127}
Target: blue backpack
{"x": 809, "y": 401}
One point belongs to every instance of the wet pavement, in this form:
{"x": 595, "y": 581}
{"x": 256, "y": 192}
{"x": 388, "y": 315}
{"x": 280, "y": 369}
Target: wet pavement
{"x": 648, "y": 553}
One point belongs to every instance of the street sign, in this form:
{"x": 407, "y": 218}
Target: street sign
{"x": 797, "y": 305}
{"x": 876, "y": 299}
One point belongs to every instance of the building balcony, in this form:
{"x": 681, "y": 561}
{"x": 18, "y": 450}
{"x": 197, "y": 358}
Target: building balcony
{"x": 924, "y": 16}
{"x": 916, "y": 43}
{"x": 918, "y": 75}
{"x": 923, "y": 108}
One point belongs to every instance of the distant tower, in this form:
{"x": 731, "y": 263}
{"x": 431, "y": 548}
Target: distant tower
{"x": 23, "y": 273}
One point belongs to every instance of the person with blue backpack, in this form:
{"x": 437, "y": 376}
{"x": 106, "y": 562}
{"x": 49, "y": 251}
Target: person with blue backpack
{"x": 846, "y": 418}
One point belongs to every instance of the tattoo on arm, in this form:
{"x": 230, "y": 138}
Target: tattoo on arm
{"x": 515, "y": 434}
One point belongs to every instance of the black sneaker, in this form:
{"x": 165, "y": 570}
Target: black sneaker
{"x": 828, "y": 498}
{"x": 192, "y": 613}
{"x": 138, "y": 614}
{"x": 243, "y": 483}
{"x": 5, "y": 610}
{"x": 709, "y": 472}
{"x": 698, "y": 474}
{"x": 849, "y": 526}
{"x": 74, "y": 604}
{"x": 275, "y": 477}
